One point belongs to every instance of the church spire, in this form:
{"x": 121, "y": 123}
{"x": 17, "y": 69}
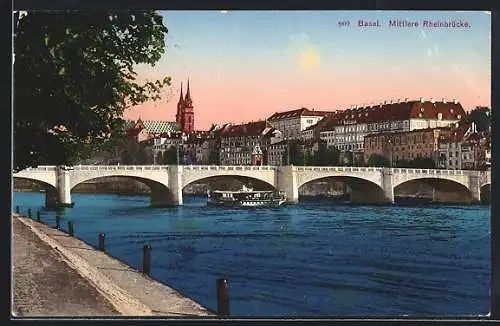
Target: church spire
{"x": 181, "y": 99}
{"x": 188, "y": 100}
{"x": 180, "y": 107}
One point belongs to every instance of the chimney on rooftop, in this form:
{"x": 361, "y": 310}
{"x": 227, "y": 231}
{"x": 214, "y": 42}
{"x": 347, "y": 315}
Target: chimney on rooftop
{"x": 455, "y": 101}
{"x": 390, "y": 101}
{"x": 444, "y": 100}
{"x": 357, "y": 106}
{"x": 399, "y": 100}
{"x": 421, "y": 100}
{"x": 385, "y": 102}
{"x": 406, "y": 99}
{"x": 432, "y": 100}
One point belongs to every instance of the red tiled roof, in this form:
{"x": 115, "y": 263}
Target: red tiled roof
{"x": 394, "y": 111}
{"x": 296, "y": 113}
{"x": 247, "y": 129}
{"x": 457, "y": 134}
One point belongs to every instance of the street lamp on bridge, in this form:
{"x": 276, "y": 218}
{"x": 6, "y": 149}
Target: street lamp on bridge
{"x": 390, "y": 152}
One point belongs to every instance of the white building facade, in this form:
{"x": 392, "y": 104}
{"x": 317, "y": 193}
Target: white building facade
{"x": 346, "y": 129}
{"x": 292, "y": 123}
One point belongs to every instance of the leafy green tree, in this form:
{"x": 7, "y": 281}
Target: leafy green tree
{"x": 170, "y": 156}
{"x": 481, "y": 116}
{"x": 132, "y": 152}
{"x": 74, "y": 75}
{"x": 422, "y": 163}
{"x": 326, "y": 156}
{"x": 358, "y": 160}
{"x": 348, "y": 159}
{"x": 378, "y": 161}
{"x": 401, "y": 163}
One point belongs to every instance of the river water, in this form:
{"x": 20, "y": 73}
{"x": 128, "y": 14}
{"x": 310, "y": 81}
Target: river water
{"x": 317, "y": 258}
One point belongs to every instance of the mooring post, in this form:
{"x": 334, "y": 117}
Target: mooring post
{"x": 71, "y": 231}
{"x": 146, "y": 259}
{"x": 222, "y": 297}
{"x": 38, "y": 217}
{"x": 101, "y": 241}
{"x": 58, "y": 222}
{"x": 29, "y": 212}
{"x": 17, "y": 209}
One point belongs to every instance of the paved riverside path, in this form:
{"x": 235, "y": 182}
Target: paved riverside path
{"x": 58, "y": 275}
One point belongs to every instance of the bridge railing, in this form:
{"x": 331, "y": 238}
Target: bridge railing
{"x": 229, "y": 167}
{"x": 41, "y": 168}
{"x": 338, "y": 168}
{"x": 119, "y": 167}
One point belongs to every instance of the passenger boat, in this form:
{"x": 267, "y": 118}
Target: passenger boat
{"x": 246, "y": 197}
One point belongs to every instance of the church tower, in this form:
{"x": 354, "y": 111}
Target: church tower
{"x": 187, "y": 113}
{"x": 180, "y": 108}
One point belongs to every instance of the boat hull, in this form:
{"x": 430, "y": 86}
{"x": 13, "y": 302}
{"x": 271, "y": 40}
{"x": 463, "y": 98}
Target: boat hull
{"x": 246, "y": 203}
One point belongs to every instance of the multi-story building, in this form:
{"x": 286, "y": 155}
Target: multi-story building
{"x": 164, "y": 142}
{"x": 278, "y": 153}
{"x": 237, "y": 142}
{"x": 196, "y": 149}
{"x": 464, "y": 149}
{"x": 345, "y": 130}
{"x": 292, "y": 123}
{"x": 404, "y": 146}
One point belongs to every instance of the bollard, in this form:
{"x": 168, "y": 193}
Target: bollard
{"x": 17, "y": 209}
{"x": 58, "y": 222}
{"x": 222, "y": 297}
{"x": 146, "y": 259}
{"x": 101, "y": 241}
{"x": 29, "y": 212}
{"x": 38, "y": 217}
{"x": 71, "y": 231}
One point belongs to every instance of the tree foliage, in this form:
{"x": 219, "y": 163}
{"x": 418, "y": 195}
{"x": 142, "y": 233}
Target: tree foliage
{"x": 378, "y": 161}
{"x": 74, "y": 75}
{"x": 132, "y": 152}
{"x": 481, "y": 116}
{"x": 325, "y": 156}
{"x": 417, "y": 163}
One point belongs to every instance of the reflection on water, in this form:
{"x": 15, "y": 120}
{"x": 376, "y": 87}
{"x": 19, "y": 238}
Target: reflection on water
{"x": 315, "y": 258}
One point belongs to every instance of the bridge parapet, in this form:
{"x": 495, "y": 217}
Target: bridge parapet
{"x": 338, "y": 168}
{"x": 430, "y": 171}
{"x": 119, "y": 167}
{"x": 41, "y": 168}
{"x": 229, "y": 167}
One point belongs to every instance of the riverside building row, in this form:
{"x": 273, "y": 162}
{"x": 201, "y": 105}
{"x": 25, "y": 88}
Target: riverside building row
{"x": 399, "y": 130}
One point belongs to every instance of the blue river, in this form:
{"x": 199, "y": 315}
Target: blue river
{"x": 317, "y": 258}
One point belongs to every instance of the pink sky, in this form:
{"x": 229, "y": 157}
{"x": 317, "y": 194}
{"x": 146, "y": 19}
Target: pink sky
{"x": 308, "y": 62}
{"x": 256, "y": 96}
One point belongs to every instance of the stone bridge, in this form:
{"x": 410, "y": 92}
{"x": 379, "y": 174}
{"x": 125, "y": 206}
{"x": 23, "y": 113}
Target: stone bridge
{"x": 368, "y": 184}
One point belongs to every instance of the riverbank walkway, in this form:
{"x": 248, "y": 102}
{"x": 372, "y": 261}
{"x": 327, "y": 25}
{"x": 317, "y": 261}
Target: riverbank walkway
{"x": 55, "y": 275}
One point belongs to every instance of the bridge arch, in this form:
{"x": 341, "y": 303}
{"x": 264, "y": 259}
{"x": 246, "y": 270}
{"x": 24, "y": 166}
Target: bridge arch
{"x": 362, "y": 191}
{"x": 44, "y": 175}
{"x": 225, "y": 182}
{"x": 161, "y": 195}
{"x": 485, "y": 193}
{"x": 439, "y": 189}
{"x": 49, "y": 189}
{"x": 264, "y": 174}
